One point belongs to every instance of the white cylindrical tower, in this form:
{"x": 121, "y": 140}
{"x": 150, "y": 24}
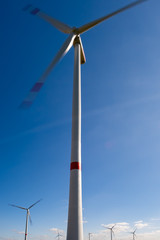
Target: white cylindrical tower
{"x": 26, "y": 228}
{"x": 75, "y": 222}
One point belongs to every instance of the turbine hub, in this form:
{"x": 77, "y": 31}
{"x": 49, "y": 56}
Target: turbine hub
{"x": 75, "y": 30}
{"x": 76, "y": 40}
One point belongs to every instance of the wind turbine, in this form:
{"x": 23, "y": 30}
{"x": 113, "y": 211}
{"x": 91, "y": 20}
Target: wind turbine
{"x": 75, "y": 223}
{"x": 89, "y": 235}
{"x": 134, "y": 234}
{"x": 28, "y": 215}
{"x": 59, "y": 235}
{"x": 111, "y": 230}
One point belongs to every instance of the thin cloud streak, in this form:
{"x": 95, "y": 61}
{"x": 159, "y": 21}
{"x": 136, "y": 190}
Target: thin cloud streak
{"x": 37, "y": 129}
{"x": 119, "y": 227}
{"x": 93, "y": 112}
{"x": 140, "y": 225}
{"x": 18, "y": 232}
{"x": 57, "y": 230}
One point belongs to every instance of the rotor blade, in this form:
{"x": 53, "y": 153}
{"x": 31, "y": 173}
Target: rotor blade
{"x": 135, "y": 230}
{"x": 18, "y": 206}
{"x": 30, "y": 219}
{"x": 113, "y": 226}
{"x": 57, "y": 24}
{"x": 35, "y": 203}
{"x": 59, "y": 235}
{"x": 83, "y": 58}
{"x": 107, "y": 227}
{"x": 90, "y": 25}
{"x": 37, "y": 86}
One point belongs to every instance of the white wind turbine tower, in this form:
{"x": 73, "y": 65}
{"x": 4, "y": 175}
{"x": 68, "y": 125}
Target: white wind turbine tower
{"x": 75, "y": 223}
{"x": 111, "y": 230}
{"x": 27, "y": 215}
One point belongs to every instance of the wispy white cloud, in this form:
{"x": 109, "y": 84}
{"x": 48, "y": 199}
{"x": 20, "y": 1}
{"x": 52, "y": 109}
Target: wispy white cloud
{"x": 140, "y": 221}
{"x": 140, "y": 224}
{"x": 36, "y": 129}
{"x": 155, "y": 219}
{"x": 153, "y": 235}
{"x": 108, "y": 225}
{"x": 57, "y": 230}
{"x": 41, "y": 237}
{"x": 84, "y": 221}
{"x": 5, "y": 238}
{"x": 18, "y": 232}
{"x": 93, "y": 112}
{"x": 145, "y": 231}
{"x": 119, "y": 227}
{"x": 123, "y": 105}
{"x": 122, "y": 227}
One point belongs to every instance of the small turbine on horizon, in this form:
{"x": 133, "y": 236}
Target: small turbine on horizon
{"x": 134, "y": 233}
{"x": 89, "y": 235}
{"x": 111, "y": 230}
{"x": 28, "y": 215}
{"x": 59, "y": 235}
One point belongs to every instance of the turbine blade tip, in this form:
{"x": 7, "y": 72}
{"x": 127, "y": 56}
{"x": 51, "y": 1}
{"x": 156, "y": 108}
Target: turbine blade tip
{"x": 27, "y": 7}
{"x": 25, "y": 105}
{"x": 31, "y": 9}
{"x": 35, "y": 11}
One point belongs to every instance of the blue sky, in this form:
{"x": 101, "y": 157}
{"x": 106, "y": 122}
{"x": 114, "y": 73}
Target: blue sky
{"x": 120, "y": 119}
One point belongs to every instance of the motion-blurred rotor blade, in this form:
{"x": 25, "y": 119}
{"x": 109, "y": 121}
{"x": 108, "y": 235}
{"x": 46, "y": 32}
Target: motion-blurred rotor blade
{"x": 30, "y": 220}
{"x": 135, "y": 230}
{"x": 83, "y": 57}
{"x": 59, "y": 235}
{"x": 106, "y": 227}
{"x": 17, "y": 206}
{"x": 57, "y": 24}
{"x": 34, "y": 204}
{"x": 90, "y": 25}
{"x": 113, "y": 226}
{"x": 37, "y": 86}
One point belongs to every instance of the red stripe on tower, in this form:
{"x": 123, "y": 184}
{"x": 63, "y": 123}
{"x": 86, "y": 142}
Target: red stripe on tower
{"x": 75, "y": 165}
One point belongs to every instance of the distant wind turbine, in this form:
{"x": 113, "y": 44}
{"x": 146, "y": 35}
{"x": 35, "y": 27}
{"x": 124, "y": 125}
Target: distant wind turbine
{"x": 111, "y": 230}
{"x": 75, "y": 221}
{"x": 28, "y": 215}
{"x": 89, "y": 235}
{"x": 59, "y": 235}
{"x": 134, "y": 234}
